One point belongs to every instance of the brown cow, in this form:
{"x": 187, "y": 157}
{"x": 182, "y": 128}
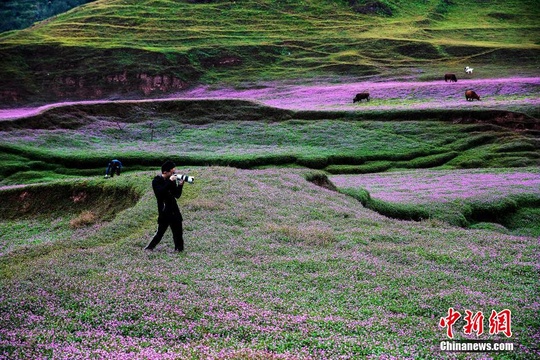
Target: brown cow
{"x": 471, "y": 95}
{"x": 450, "y": 77}
{"x": 361, "y": 96}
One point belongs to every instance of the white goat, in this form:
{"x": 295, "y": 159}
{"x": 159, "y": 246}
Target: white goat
{"x": 468, "y": 70}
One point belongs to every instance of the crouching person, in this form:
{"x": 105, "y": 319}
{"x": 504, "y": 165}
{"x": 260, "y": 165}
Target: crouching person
{"x": 114, "y": 167}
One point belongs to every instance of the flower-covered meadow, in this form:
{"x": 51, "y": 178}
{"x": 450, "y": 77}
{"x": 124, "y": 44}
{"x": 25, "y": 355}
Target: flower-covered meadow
{"x": 423, "y": 186}
{"x": 387, "y": 94}
{"x": 469, "y": 197}
{"x": 279, "y": 262}
{"x": 495, "y": 93}
{"x": 275, "y": 268}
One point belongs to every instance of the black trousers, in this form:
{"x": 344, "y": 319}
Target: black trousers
{"x": 175, "y": 222}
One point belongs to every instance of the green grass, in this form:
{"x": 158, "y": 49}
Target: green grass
{"x": 275, "y": 265}
{"x": 80, "y": 140}
{"x": 511, "y": 215}
{"x": 525, "y": 220}
{"x": 278, "y": 264}
{"x": 476, "y": 198}
{"x": 21, "y": 14}
{"x": 275, "y": 268}
{"x": 73, "y": 54}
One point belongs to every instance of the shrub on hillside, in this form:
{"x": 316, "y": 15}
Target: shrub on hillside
{"x": 320, "y": 179}
{"x": 430, "y": 161}
{"x": 368, "y": 168}
{"x": 370, "y": 7}
{"x": 85, "y": 218}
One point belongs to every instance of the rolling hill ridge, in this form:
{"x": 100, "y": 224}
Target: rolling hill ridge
{"x": 132, "y": 49}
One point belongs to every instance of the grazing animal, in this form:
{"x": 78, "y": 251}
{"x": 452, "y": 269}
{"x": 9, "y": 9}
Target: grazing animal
{"x": 471, "y": 95}
{"x": 361, "y": 96}
{"x": 468, "y": 70}
{"x": 450, "y": 77}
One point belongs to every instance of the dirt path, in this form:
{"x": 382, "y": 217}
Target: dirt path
{"x": 500, "y": 93}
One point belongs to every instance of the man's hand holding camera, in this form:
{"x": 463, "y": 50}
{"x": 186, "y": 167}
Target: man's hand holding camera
{"x": 179, "y": 180}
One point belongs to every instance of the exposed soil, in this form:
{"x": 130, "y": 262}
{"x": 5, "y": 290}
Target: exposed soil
{"x": 27, "y": 201}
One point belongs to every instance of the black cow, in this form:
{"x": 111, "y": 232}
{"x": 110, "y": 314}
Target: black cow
{"x": 361, "y": 96}
{"x": 450, "y": 77}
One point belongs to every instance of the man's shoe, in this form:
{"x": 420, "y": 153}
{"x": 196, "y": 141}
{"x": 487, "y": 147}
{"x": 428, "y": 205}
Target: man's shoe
{"x": 148, "y": 249}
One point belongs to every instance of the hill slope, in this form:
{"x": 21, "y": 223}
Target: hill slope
{"x": 79, "y": 140}
{"x": 275, "y": 268}
{"x": 147, "y": 48}
{"x": 19, "y": 14}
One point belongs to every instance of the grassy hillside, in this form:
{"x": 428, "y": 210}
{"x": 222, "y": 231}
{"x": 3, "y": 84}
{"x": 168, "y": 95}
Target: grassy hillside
{"x": 146, "y": 48}
{"x": 19, "y": 14}
{"x": 280, "y": 262}
{"x": 506, "y": 197}
{"x": 81, "y": 139}
{"x": 275, "y": 268}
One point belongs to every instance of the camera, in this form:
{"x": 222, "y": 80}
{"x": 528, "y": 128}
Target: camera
{"x": 186, "y": 178}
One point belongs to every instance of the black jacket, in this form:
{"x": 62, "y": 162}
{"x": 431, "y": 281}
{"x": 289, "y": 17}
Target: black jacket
{"x": 167, "y": 192}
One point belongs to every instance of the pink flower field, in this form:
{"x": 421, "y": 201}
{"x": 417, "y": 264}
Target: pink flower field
{"x": 275, "y": 268}
{"x": 386, "y": 95}
{"x": 429, "y": 186}
{"x": 498, "y": 93}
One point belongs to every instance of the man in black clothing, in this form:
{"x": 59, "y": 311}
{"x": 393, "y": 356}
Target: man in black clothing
{"x": 167, "y": 189}
{"x": 113, "y": 167}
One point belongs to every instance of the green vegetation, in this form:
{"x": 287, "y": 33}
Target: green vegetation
{"x": 275, "y": 268}
{"x": 281, "y": 261}
{"x": 113, "y": 48}
{"x": 513, "y": 214}
{"x": 19, "y": 14}
{"x": 466, "y": 198}
{"x": 80, "y": 140}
